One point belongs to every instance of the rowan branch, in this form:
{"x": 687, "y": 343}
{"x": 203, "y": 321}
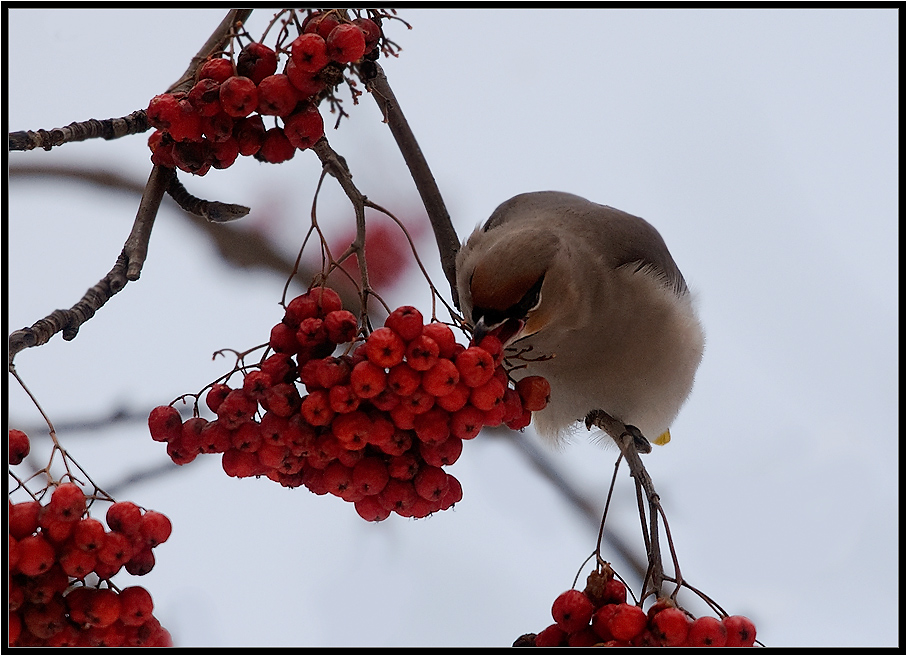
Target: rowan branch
{"x": 111, "y": 128}
{"x": 219, "y": 38}
{"x": 127, "y": 267}
{"x": 210, "y": 210}
{"x": 445, "y": 235}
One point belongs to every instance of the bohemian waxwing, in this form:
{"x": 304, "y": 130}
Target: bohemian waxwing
{"x": 593, "y": 300}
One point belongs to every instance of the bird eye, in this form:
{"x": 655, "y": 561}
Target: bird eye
{"x": 530, "y": 300}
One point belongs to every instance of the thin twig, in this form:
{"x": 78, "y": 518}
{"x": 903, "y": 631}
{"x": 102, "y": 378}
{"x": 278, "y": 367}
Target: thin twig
{"x": 211, "y": 210}
{"x": 221, "y": 36}
{"x": 111, "y": 128}
{"x": 128, "y": 267}
{"x": 445, "y": 235}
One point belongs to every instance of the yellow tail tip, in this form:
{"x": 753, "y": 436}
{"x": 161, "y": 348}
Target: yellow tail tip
{"x": 664, "y": 438}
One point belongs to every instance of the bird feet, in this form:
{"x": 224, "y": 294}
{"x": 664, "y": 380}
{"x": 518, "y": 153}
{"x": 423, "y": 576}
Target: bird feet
{"x": 613, "y": 426}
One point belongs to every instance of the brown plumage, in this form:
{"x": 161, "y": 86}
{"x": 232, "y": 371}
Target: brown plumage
{"x": 596, "y": 292}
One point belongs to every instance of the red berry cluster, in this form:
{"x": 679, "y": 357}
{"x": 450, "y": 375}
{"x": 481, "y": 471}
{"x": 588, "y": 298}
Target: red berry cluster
{"x": 221, "y": 116}
{"x": 600, "y": 617}
{"x": 54, "y": 547}
{"x": 376, "y": 427}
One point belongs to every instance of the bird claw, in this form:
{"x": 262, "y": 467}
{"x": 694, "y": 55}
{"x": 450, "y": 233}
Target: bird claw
{"x": 600, "y": 418}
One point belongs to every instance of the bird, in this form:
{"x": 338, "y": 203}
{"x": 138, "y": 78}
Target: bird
{"x": 589, "y": 297}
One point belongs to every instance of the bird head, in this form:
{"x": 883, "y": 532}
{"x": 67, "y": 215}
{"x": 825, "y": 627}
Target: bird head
{"x": 508, "y": 282}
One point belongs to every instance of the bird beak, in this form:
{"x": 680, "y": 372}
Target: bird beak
{"x": 507, "y": 331}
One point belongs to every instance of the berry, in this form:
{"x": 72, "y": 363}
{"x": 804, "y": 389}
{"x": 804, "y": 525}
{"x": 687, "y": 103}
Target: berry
{"x": 304, "y": 127}
{"x": 136, "y": 605}
{"x": 406, "y": 321}
{"x": 422, "y": 353}
{"x": 431, "y": 483}
{"x": 36, "y": 555}
{"x": 367, "y": 380}
{"x": 370, "y": 475}
{"x": 385, "y": 348}
{"x": 275, "y": 147}
{"x": 249, "y": 133}
{"x": 216, "y": 69}
{"x": 670, "y": 626}
{"x": 88, "y": 535}
{"x": 345, "y": 43}
{"x": 442, "y": 378}
{"x": 476, "y": 366}
{"x": 741, "y": 632}
{"x": 707, "y": 632}
{"x": 535, "y": 392}
{"x": 341, "y": 325}
{"x": 213, "y": 399}
{"x": 321, "y": 23}
{"x": 371, "y": 509}
{"x": 306, "y": 82}
{"x": 443, "y": 337}
{"x": 18, "y": 446}
{"x": 154, "y": 528}
{"x": 256, "y": 62}
{"x": 205, "y": 97}
{"x": 553, "y": 636}
{"x": 572, "y": 611}
{"x": 466, "y": 423}
{"x": 238, "y": 96}
{"x": 627, "y": 622}
{"x": 432, "y": 426}
{"x": 67, "y": 502}
{"x": 309, "y": 53}
{"x": 276, "y": 95}
{"x": 370, "y": 31}
{"x": 124, "y": 517}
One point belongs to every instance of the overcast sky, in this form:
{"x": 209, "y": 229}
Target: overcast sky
{"x": 762, "y": 144}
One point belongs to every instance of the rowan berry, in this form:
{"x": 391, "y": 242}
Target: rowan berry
{"x": 398, "y": 495}
{"x": 441, "y": 379}
{"x": 306, "y": 82}
{"x": 627, "y": 622}
{"x": 236, "y": 409}
{"x": 124, "y": 517}
{"x": 466, "y": 423}
{"x": 432, "y": 426}
{"x": 370, "y": 31}
{"x": 155, "y": 528}
{"x": 218, "y": 70}
{"x": 283, "y": 339}
{"x": 342, "y": 326}
{"x": 76, "y": 563}
{"x": 276, "y": 95}
{"x": 456, "y": 398}
{"x": 345, "y": 43}
{"x": 403, "y": 467}
{"x": 370, "y": 475}
{"x": 186, "y": 124}
{"x": 418, "y": 402}
{"x": 406, "y": 321}
{"x": 163, "y": 110}
{"x": 309, "y": 52}
{"x": 535, "y": 392}
{"x": 741, "y": 632}
{"x": 440, "y": 454}
{"x": 422, "y": 353}
{"x": 552, "y": 636}
{"x": 476, "y": 366}
{"x": 371, "y": 509}
{"x": 494, "y": 347}
{"x": 443, "y": 337}
{"x": 67, "y": 502}
{"x": 192, "y": 156}
{"x": 18, "y": 446}
{"x": 238, "y": 96}
{"x": 397, "y": 443}
{"x": 116, "y": 550}
{"x": 88, "y": 535}
{"x": 249, "y": 133}
{"x": 304, "y": 127}
{"x": 161, "y": 145}
{"x": 136, "y": 605}
{"x": 488, "y": 395}
{"x": 431, "y": 483}
{"x": 205, "y": 97}
{"x": 368, "y": 380}
{"x": 706, "y": 632}
{"x": 385, "y": 348}
{"x": 321, "y": 23}
{"x": 218, "y": 130}
{"x": 669, "y": 626}
{"x": 454, "y": 493}
{"x": 352, "y": 429}
{"x": 36, "y": 555}
{"x": 256, "y": 61}
{"x": 572, "y": 611}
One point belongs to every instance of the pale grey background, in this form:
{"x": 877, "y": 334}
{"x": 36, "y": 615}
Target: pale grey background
{"x": 762, "y": 144}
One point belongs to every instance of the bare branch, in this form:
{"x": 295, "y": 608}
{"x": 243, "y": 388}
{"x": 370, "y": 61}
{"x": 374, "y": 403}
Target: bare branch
{"x": 445, "y": 235}
{"x": 111, "y": 128}
{"x": 216, "y": 42}
{"x": 211, "y": 210}
{"x": 127, "y": 267}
